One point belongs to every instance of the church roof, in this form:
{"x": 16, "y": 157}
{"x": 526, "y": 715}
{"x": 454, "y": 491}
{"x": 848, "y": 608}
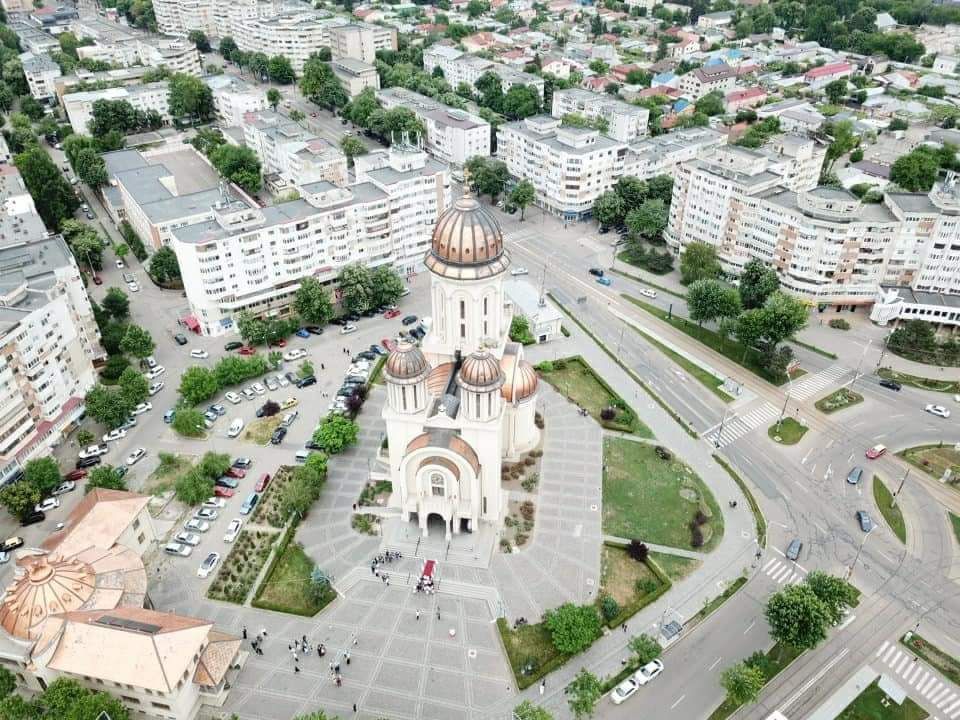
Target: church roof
{"x": 447, "y": 440}
{"x": 521, "y": 379}
{"x": 480, "y": 372}
{"x": 467, "y": 243}
{"x": 406, "y": 363}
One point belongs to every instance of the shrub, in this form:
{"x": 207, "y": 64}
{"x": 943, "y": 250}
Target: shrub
{"x": 521, "y": 538}
{"x": 505, "y": 545}
{"x": 538, "y": 421}
{"x": 839, "y": 324}
{"x": 700, "y": 518}
{"x": 645, "y": 586}
{"x": 696, "y": 535}
{"x": 609, "y": 608}
{"x": 526, "y": 509}
{"x": 638, "y": 551}
{"x": 546, "y": 366}
{"x": 608, "y": 414}
{"x": 528, "y": 461}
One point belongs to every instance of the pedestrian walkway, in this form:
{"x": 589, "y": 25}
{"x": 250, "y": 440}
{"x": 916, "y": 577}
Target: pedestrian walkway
{"x": 812, "y": 385}
{"x": 783, "y": 572}
{"x": 919, "y": 680}
{"x": 735, "y": 427}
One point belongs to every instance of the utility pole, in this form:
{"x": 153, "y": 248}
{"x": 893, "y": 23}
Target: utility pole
{"x": 716, "y": 440}
{"x": 859, "y": 550}
{"x": 883, "y": 350}
{"x": 786, "y": 399}
{"x": 902, "y": 481}
{"x": 856, "y": 375}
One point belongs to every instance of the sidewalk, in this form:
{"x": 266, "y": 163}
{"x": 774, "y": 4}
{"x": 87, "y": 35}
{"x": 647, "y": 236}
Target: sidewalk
{"x": 847, "y": 693}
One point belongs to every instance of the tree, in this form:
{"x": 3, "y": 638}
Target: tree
{"x": 273, "y": 98}
{"x": 198, "y": 384}
{"x": 359, "y": 109}
{"x": 199, "y": 39}
{"x": 19, "y": 498}
{"x": 85, "y": 437}
{"x": 710, "y": 104}
{"x": 355, "y": 282}
{"x": 43, "y": 474}
{"x": 609, "y": 209}
{"x": 280, "y": 70}
{"x": 710, "y": 299}
{"x": 836, "y": 91}
{"x": 106, "y": 477}
{"x": 188, "y": 422}
{"x": 193, "y": 487}
{"x": 488, "y": 177}
{"x": 51, "y": 193}
{"x": 386, "y": 286}
{"x": 797, "y": 617}
{"x": 520, "y": 101}
{"x": 698, "y": 262}
{"x": 335, "y": 434}
{"x": 108, "y": 406}
{"x": 757, "y": 282}
{"x": 114, "y": 367}
{"x": 573, "y": 627}
{"x": 843, "y": 139}
{"x": 164, "y": 266}
{"x": 91, "y": 168}
{"x": 520, "y": 330}
{"x": 320, "y": 85}
{"x": 743, "y": 682}
{"x": 214, "y": 465}
{"x": 134, "y": 387}
{"x": 228, "y": 46}
{"x": 648, "y": 220}
{"x": 116, "y": 303}
{"x": 645, "y": 648}
{"x": 312, "y": 302}
{"x": 137, "y": 342}
{"x": 835, "y": 594}
{"x": 631, "y": 190}
{"x": 522, "y": 195}
{"x": 783, "y": 316}
{"x": 298, "y": 495}
{"x": 528, "y": 711}
{"x": 915, "y": 172}
{"x": 239, "y": 164}
{"x": 317, "y": 462}
{"x": 583, "y": 693}
{"x": 352, "y": 147}
{"x": 252, "y": 329}
{"x": 189, "y": 97}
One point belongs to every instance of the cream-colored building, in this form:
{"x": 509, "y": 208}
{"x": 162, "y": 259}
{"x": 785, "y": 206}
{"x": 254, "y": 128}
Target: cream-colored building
{"x": 360, "y": 41}
{"x": 460, "y": 67}
{"x": 292, "y": 32}
{"x": 145, "y": 97}
{"x": 625, "y": 122}
{"x": 233, "y": 98}
{"x": 177, "y": 56}
{"x": 41, "y": 73}
{"x": 355, "y": 76}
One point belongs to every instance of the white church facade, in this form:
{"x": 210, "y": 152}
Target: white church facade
{"x": 465, "y": 403}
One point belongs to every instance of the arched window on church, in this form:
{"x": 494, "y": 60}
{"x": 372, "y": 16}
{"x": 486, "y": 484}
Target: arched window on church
{"x": 437, "y": 485}
{"x": 403, "y": 396}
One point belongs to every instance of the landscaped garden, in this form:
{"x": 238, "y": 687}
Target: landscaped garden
{"x": 580, "y": 384}
{"x": 838, "y": 400}
{"x": 924, "y": 383}
{"x": 787, "y": 432}
{"x": 891, "y": 513}
{"x": 934, "y": 460}
{"x": 650, "y": 495}
{"x": 944, "y": 663}
{"x": 629, "y": 581}
{"x": 874, "y": 704}
{"x": 241, "y": 567}
{"x": 291, "y": 586}
{"x": 518, "y": 524}
{"x": 770, "y": 664}
{"x": 260, "y": 430}
{"x": 531, "y": 651}
{"x": 270, "y": 510}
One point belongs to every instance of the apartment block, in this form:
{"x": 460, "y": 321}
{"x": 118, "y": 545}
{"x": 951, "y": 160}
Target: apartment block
{"x": 294, "y": 33}
{"x": 663, "y": 154}
{"x": 625, "y": 122}
{"x": 707, "y": 79}
{"x": 233, "y": 98}
{"x": 145, "y": 97}
{"x": 41, "y": 73}
{"x": 360, "y": 41}
{"x": 177, "y": 56}
{"x": 252, "y": 259}
{"x": 459, "y": 67}
{"x": 452, "y": 136}
{"x": 355, "y": 76}
{"x": 569, "y": 167}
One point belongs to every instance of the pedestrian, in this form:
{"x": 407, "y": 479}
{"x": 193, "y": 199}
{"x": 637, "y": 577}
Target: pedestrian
{"x": 321, "y": 651}
{"x": 322, "y": 366}
{"x": 264, "y": 631}
{"x": 289, "y": 647}
{"x": 418, "y": 614}
{"x": 348, "y": 657}
{"x": 331, "y": 668}
{"x": 438, "y": 613}
{"x": 543, "y": 687}
{"x": 244, "y": 632}
{"x": 259, "y": 650}
{"x": 354, "y": 507}
{"x": 387, "y": 581}
{"x": 339, "y": 681}
{"x": 304, "y": 640}
{"x": 296, "y": 668}
{"x": 624, "y": 627}
{"x": 354, "y": 707}
{"x": 356, "y": 640}
{"x": 336, "y": 668}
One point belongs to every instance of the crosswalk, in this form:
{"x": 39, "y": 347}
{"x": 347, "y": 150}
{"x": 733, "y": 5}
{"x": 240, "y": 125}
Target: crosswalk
{"x": 783, "y": 572}
{"x": 919, "y": 680}
{"x": 810, "y": 386}
{"x": 734, "y": 428}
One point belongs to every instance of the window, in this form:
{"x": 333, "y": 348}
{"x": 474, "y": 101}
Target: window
{"x": 136, "y": 523}
{"x": 463, "y": 310}
{"x": 437, "y": 485}
{"x": 140, "y": 538}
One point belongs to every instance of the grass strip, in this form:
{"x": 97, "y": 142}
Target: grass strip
{"x": 661, "y": 288}
{"x": 736, "y": 352}
{"x": 636, "y": 378}
{"x": 814, "y": 348}
{"x": 945, "y": 664}
{"x": 758, "y": 519}
{"x": 530, "y": 650}
{"x": 774, "y": 661}
{"x": 891, "y": 513}
{"x": 955, "y": 522}
{"x": 873, "y": 704}
{"x": 787, "y": 432}
{"x": 944, "y": 386}
{"x": 705, "y": 378}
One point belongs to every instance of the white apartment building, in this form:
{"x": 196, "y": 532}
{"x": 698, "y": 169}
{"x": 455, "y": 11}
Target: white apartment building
{"x": 453, "y": 136}
{"x": 233, "y": 98}
{"x": 459, "y": 67}
{"x": 253, "y": 258}
{"x": 625, "y": 122}
{"x": 360, "y": 41}
{"x": 294, "y": 33}
{"x": 145, "y": 97}
{"x": 569, "y": 167}
{"x": 285, "y": 148}
{"x": 48, "y": 339}
{"x": 707, "y": 79}
{"x": 41, "y": 73}
{"x": 179, "y": 17}
{"x": 177, "y": 56}
{"x": 662, "y": 155}
{"x": 355, "y": 76}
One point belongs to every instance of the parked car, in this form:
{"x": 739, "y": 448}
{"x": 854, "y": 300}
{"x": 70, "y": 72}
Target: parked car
{"x": 179, "y": 549}
{"x": 258, "y": 389}
{"x": 97, "y": 280}
{"x": 519, "y": 271}
{"x": 199, "y": 354}
{"x": 876, "y": 451}
{"x": 180, "y": 339}
{"x": 793, "y": 549}
{"x": 33, "y": 518}
{"x": 641, "y": 677}
{"x": 233, "y": 397}
{"x": 391, "y": 314}
{"x": 197, "y": 525}
{"x": 88, "y": 461}
{"x": 75, "y": 475}
{"x": 292, "y": 378}
{"x": 247, "y": 350}
{"x": 211, "y": 417}
{"x": 188, "y": 538}
{"x": 47, "y": 504}
{"x": 248, "y": 393}
{"x": 596, "y": 272}
{"x": 249, "y": 503}
{"x": 214, "y": 503}
{"x": 271, "y": 384}
{"x": 307, "y": 381}
{"x": 389, "y": 344}
{"x": 233, "y": 345}
{"x": 136, "y": 456}
{"x": 278, "y": 435}
{"x": 169, "y": 415}
{"x": 156, "y": 372}
{"x": 890, "y": 384}
{"x": 222, "y": 492}
{"x": 236, "y": 427}
{"x": 206, "y": 514}
{"x": 117, "y": 434}
{"x": 281, "y": 343}
{"x": 209, "y": 563}
{"x": 302, "y": 332}
{"x": 93, "y": 451}
{"x": 143, "y": 407}
{"x": 218, "y": 410}
{"x": 227, "y": 482}
{"x": 155, "y": 388}
{"x": 281, "y": 380}
{"x": 853, "y": 477}
{"x": 288, "y": 403}
{"x": 410, "y": 319}
{"x": 866, "y": 524}
{"x": 348, "y": 328}
{"x": 65, "y": 487}
{"x": 288, "y": 419}
{"x": 11, "y": 543}
{"x": 242, "y": 462}
{"x": 262, "y": 483}
{"x": 314, "y": 329}
{"x": 295, "y": 354}
{"x": 233, "y": 529}
{"x": 377, "y": 350}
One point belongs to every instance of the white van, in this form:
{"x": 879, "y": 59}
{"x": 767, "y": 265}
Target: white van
{"x": 235, "y": 427}
{"x": 302, "y": 455}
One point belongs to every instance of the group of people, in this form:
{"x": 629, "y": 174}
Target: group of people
{"x": 424, "y": 585}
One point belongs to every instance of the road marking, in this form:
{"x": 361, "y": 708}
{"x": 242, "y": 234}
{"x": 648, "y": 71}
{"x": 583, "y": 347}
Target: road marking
{"x": 804, "y": 460}
{"x": 896, "y": 416}
{"x": 886, "y": 644}
{"x": 820, "y": 528}
{"x": 679, "y": 700}
{"x": 890, "y": 650}
{"x": 814, "y": 680}
{"x": 850, "y": 459}
{"x": 885, "y": 556}
{"x": 880, "y": 437}
{"x": 715, "y": 663}
{"x": 813, "y": 469}
{"x": 749, "y": 627}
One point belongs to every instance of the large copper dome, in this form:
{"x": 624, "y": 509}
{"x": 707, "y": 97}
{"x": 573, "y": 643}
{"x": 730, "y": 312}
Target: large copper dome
{"x": 480, "y": 372}
{"x": 406, "y": 364}
{"x": 521, "y": 379}
{"x": 467, "y": 243}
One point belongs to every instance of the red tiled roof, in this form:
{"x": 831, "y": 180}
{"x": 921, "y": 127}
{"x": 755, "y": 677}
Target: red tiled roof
{"x": 828, "y": 70}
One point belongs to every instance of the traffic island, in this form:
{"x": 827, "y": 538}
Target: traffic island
{"x": 935, "y": 461}
{"x": 942, "y": 662}
{"x": 260, "y": 431}
{"x": 787, "y": 432}
{"x": 874, "y": 704}
{"x": 891, "y": 513}
{"x": 839, "y": 400}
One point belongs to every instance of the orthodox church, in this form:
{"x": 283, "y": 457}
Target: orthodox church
{"x": 464, "y": 403}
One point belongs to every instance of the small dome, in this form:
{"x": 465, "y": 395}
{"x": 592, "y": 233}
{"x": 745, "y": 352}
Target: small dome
{"x": 406, "y": 363}
{"x": 521, "y": 381}
{"x": 467, "y": 243}
{"x": 480, "y": 372}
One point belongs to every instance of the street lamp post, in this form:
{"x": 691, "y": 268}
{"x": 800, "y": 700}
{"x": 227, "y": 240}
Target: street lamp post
{"x": 857, "y": 557}
{"x": 786, "y": 399}
{"x": 716, "y": 440}
{"x": 856, "y": 375}
{"x": 902, "y": 481}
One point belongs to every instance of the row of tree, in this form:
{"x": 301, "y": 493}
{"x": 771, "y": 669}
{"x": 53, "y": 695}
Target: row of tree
{"x": 366, "y": 111}
{"x": 277, "y": 69}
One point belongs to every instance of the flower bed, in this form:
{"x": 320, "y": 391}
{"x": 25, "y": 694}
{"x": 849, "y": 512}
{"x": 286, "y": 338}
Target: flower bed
{"x": 240, "y": 570}
{"x": 269, "y": 510}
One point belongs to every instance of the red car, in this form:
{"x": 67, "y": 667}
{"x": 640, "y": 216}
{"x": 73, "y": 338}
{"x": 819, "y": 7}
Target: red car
{"x": 279, "y": 343}
{"x": 75, "y": 475}
{"x": 262, "y": 483}
{"x": 223, "y": 492}
{"x": 876, "y": 451}
{"x": 389, "y": 344}
{"x": 390, "y": 314}
{"x": 236, "y": 472}
{"x": 97, "y": 280}
{"x": 247, "y": 350}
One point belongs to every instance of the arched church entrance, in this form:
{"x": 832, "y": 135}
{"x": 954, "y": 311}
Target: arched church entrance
{"x": 437, "y": 525}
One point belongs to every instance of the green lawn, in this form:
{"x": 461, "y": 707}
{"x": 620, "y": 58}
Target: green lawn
{"x": 655, "y": 500}
{"x": 774, "y": 662}
{"x": 873, "y": 704}
{"x": 945, "y": 663}
{"x": 530, "y": 651}
{"x": 674, "y": 566}
{"x": 167, "y": 473}
{"x": 708, "y": 380}
{"x": 286, "y": 588}
{"x": 789, "y": 431}
{"x": 260, "y": 430}
{"x": 839, "y": 400}
{"x": 632, "y": 584}
{"x": 955, "y": 521}
{"x": 893, "y": 516}
{"x": 923, "y": 383}
{"x": 578, "y": 382}
{"x": 747, "y": 358}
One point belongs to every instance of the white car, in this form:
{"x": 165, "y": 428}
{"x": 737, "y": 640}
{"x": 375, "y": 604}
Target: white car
{"x": 47, "y": 504}
{"x": 117, "y": 434}
{"x": 131, "y": 421}
{"x": 233, "y": 529}
{"x": 519, "y": 271}
{"x": 236, "y": 427}
{"x": 199, "y": 354}
{"x": 271, "y": 384}
{"x": 233, "y": 397}
{"x": 295, "y": 354}
{"x": 156, "y": 372}
{"x": 206, "y": 514}
{"x": 641, "y": 677}
{"x": 188, "y": 538}
{"x": 178, "y": 549}
{"x": 258, "y": 389}
{"x": 938, "y": 410}
{"x": 133, "y": 287}
{"x": 282, "y": 381}
{"x": 347, "y": 329}
{"x": 647, "y": 292}
{"x": 208, "y": 564}
{"x": 120, "y": 264}
{"x": 196, "y": 526}
{"x": 155, "y": 388}
{"x": 65, "y": 487}
{"x": 248, "y": 393}
{"x": 215, "y": 503}
{"x": 92, "y": 451}
{"x": 136, "y": 456}
{"x": 143, "y": 407}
